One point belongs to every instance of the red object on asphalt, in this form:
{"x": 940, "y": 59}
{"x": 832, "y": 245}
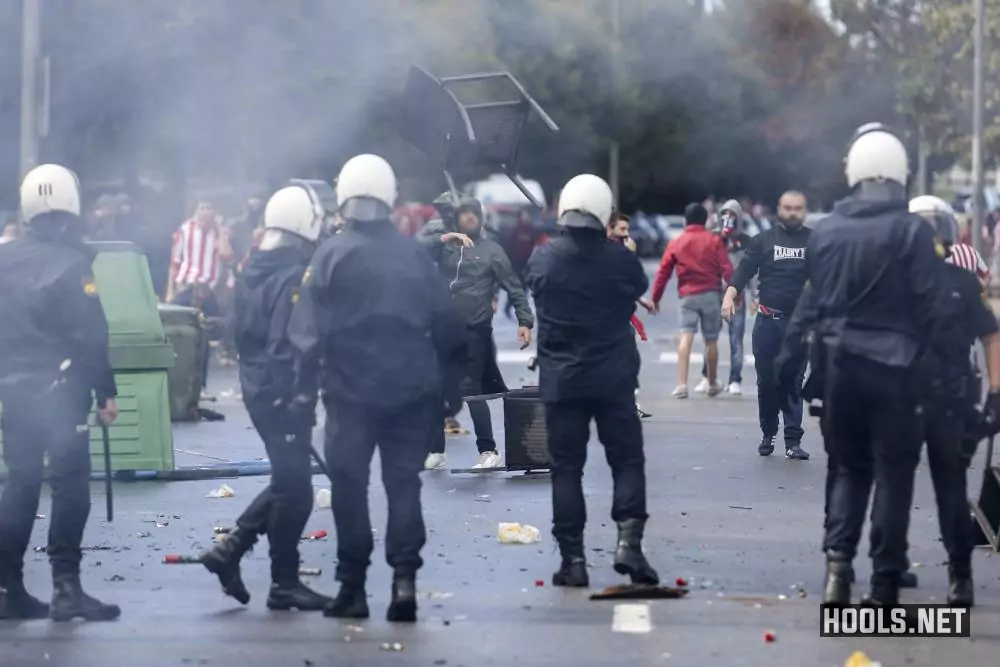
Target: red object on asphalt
{"x": 769, "y": 636}
{"x": 175, "y": 559}
{"x": 681, "y": 581}
{"x": 317, "y": 535}
{"x": 539, "y": 583}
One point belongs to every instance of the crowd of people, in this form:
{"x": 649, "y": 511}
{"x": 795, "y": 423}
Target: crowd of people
{"x": 881, "y": 302}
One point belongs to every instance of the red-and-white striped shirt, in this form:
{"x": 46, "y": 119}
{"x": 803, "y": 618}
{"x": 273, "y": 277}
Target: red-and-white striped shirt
{"x": 195, "y": 253}
{"x": 966, "y": 257}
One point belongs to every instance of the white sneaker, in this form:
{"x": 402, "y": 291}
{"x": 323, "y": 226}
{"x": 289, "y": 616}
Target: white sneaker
{"x": 702, "y": 387}
{"x": 680, "y": 392}
{"x": 714, "y": 390}
{"x": 435, "y": 461}
{"x": 487, "y": 460}
{"x": 735, "y": 389}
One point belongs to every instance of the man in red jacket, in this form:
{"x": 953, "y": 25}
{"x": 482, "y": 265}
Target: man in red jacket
{"x": 703, "y": 267}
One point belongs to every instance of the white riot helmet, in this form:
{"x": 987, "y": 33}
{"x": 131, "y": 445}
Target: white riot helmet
{"x": 295, "y": 210}
{"x": 939, "y": 214}
{"x": 876, "y": 155}
{"x": 49, "y": 188}
{"x": 366, "y": 189}
{"x": 586, "y": 201}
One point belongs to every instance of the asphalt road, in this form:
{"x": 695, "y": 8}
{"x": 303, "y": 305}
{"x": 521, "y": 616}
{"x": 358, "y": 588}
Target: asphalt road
{"x": 744, "y": 531}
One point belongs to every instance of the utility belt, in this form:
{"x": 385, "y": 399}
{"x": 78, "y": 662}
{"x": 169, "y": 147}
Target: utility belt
{"x": 772, "y": 313}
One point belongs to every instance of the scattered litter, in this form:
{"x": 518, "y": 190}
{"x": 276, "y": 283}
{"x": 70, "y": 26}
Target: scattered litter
{"x": 639, "y": 592}
{"x": 395, "y": 647}
{"x": 433, "y": 595}
{"x": 219, "y": 530}
{"x": 355, "y": 628}
{"x": 176, "y": 559}
{"x": 681, "y": 582}
{"x": 782, "y": 597}
{"x": 323, "y": 499}
{"x": 802, "y": 592}
{"x": 739, "y": 507}
{"x": 143, "y": 534}
{"x": 116, "y": 577}
{"x": 222, "y": 492}
{"x": 539, "y": 583}
{"x": 483, "y": 498}
{"x": 859, "y": 659}
{"x": 515, "y": 533}
{"x": 316, "y": 535}
{"x": 310, "y": 571}
{"x": 162, "y": 525}
{"x": 769, "y": 636}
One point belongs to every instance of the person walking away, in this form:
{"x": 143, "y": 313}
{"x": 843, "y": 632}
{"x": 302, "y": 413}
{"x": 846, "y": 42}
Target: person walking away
{"x": 374, "y": 323}
{"x": 519, "y": 244}
{"x": 53, "y": 367}
{"x": 198, "y": 262}
{"x": 877, "y": 292}
{"x": 778, "y": 256}
{"x": 585, "y": 289}
{"x": 475, "y": 268}
{"x": 263, "y": 302}
{"x": 703, "y": 266}
{"x": 736, "y": 239}
{"x": 618, "y": 231}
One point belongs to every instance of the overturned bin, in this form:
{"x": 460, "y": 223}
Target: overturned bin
{"x": 141, "y": 437}
{"x": 526, "y": 438}
{"x": 183, "y": 329}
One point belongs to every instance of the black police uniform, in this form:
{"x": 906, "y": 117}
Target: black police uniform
{"x": 264, "y": 298}
{"x": 374, "y": 309}
{"x": 53, "y": 364}
{"x": 585, "y": 289}
{"x": 876, "y": 295}
{"x": 778, "y": 255}
{"x": 951, "y": 391}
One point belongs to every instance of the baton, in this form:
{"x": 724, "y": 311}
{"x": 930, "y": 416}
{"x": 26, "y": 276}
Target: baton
{"x": 319, "y": 462}
{"x": 109, "y": 493}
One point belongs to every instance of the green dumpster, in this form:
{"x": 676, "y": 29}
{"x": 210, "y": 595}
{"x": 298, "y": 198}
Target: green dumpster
{"x": 183, "y": 328}
{"x": 141, "y": 437}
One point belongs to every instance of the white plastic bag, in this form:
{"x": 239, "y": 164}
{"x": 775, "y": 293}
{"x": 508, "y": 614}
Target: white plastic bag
{"x": 515, "y": 533}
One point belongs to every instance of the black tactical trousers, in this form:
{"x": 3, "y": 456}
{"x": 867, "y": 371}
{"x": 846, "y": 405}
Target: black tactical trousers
{"x": 768, "y": 336}
{"x": 54, "y": 424}
{"x": 620, "y": 431}
{"x": 871, "y": 430}
{"x": 943, "y": 431}
{"x": 282, "y": 509}
{"x": 482, "y": 352}
{"x": 352, "y": 433}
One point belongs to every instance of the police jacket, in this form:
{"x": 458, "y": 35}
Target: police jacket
{"x": 947, "y": 372}
{"x": 585, "y": 288}
{"x": 52, "y": 315}
{"x": 262, "y": 307}
{"x": 373, "y": 309}
{"x": 778, "y": 255}
{"x": 474, "y": 275}
{"x": 876, "y": 284}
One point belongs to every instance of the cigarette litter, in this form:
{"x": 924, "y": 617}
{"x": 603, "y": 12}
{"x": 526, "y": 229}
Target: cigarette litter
{"x": 516, "y": 533}
{"x": 859, "y": 659}
{"x": 323, "y": 499}
{"x": 222, "y": 492}
{"x": 396, "y": 647}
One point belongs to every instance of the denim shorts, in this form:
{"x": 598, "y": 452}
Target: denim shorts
{"x": 703, "y": 309}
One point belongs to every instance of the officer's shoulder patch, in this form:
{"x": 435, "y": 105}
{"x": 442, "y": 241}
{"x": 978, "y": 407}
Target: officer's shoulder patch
{"x": 295, "y": 295}
{"x": 89, "y": 286}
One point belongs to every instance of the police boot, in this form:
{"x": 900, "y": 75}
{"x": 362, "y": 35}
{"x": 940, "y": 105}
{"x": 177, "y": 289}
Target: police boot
{"x": 293, "y": 594}
{"x": 224, "y": 562}
{"x": 69, "y": 602}
{"x": 839, "y": 577}
{"x": 629, "y": 558}
{"x": 884, "y": 592}
{"x": 961, "y": 592}
{"x": 17, "y": 603}
{"x": 403, "y": 607}
{"x": 573, "y": 570}
{"x": 351, "y": 602}
{"x": 908, "y": 580}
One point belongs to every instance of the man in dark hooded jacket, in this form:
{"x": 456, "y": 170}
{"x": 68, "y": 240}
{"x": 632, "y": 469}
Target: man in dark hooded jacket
{"x": 265, "y": 296}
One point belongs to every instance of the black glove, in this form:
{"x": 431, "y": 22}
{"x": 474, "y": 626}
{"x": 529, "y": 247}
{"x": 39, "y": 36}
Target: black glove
{"x": 991, "y": 414}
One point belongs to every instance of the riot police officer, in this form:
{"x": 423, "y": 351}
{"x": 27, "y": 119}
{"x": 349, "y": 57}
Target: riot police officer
{"x": 585, "y": 289}
{"x": 53, "y": 365}
{"x": 950, "y": 393}
{"x": 265, "y": 295}
{"x": 373, "y": 309}
{"x": 877, "y": 295}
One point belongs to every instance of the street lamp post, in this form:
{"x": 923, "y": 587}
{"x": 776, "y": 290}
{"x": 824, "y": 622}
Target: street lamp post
{"x": 613, "y": 166}
{"x": 978, "y": 199}
{"x": 31, "y": 42}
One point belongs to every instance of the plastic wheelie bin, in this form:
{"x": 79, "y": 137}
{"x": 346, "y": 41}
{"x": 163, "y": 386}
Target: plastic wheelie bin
{"x": 183, "y": 328}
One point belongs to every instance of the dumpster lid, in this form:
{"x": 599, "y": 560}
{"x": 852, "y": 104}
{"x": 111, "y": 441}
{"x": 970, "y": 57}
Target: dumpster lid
{"x": 456, "y": 136}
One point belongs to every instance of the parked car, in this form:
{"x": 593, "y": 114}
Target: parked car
{"x": 649, "y": 239}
